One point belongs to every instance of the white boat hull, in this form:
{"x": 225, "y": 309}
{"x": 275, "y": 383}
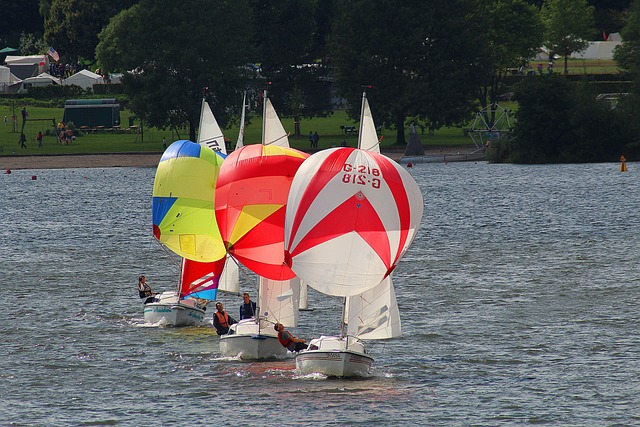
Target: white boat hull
{"x": 330, "y": 356}
{"x": 250, "y": 342}
{"x": 169, "y": 311}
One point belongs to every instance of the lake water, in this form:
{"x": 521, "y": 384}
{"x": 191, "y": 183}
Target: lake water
{"x": 519, "y": 302}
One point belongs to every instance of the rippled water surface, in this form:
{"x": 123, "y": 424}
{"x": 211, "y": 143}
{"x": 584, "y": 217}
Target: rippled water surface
{"x": 519, "y": 302}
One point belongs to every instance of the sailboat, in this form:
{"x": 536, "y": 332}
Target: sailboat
{"x": 186, "y": 305}
{"x": 250, "y": 201}
{"x": 209, "y": 134}
{"x": 184, "y": 222}
{"x": 352, "y": 214}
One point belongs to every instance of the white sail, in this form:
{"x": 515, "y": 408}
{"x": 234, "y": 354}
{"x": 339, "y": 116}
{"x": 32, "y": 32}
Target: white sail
{"x": 279, "y": 300}
{"x": 230, "y": 278}
{"x": 304, "y": 297}
{"x": 210, "y": 134}
{"x": 240, "y": 142}
{"x": 367, "y": 136}
{"x": 374, "y": 314}
{"x": 273, "y": 132}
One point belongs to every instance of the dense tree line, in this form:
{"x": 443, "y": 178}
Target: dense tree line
{"x": 430, "y": 61}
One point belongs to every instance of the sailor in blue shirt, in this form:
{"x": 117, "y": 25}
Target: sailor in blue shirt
{"x": 248, "y": 307}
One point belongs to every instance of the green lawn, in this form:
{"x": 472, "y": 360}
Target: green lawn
{"x": 116, "y": 142}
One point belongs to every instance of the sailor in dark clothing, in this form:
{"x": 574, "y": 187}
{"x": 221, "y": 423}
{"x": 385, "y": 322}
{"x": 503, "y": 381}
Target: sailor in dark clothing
{"x": 248, "y": 307}
{"x": 145, "y": 290}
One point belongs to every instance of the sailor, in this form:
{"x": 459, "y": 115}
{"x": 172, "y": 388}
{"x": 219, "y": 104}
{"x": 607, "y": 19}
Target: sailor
{"x": 288, "y": 340}
{"x": 222, "y": 320}
{"x": 247, "y": 308}
{"x": 145, "y": 290}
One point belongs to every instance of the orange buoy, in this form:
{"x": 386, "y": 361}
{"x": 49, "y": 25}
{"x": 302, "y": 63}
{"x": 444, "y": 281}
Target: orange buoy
{"x": 33, "y": 177}
{"x": 409, "y": 165}
{"x": 8, "y": 171}
{"x": 623, "y": 164}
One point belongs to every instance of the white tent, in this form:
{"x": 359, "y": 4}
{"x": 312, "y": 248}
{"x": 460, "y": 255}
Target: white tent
{"x": 614, "y": 37}
{"x": 84, "y": 78}
{"x": 27, "y": 66}
{"x": 598, "y": 50}
{"x": 6, "y": 78}
{"x": 43, "y": 79}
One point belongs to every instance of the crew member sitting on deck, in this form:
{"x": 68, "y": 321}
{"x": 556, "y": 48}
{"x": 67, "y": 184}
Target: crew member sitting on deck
{"x": 145, "y": 290}
{"x": 288, "y": 340}
{"x": 222, "y": 320}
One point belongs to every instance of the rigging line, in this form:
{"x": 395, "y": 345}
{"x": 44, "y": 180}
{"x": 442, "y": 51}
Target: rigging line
{"x": 241, "y": 270}
{"x": 168, "y": 254}
{"x": 277, "y": 139}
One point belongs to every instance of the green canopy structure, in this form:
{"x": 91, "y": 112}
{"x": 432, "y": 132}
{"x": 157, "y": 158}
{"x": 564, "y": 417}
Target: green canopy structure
{"x": 8, "y": 50}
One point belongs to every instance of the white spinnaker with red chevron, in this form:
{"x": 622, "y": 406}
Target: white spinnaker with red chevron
{"x": 351, "y": 215}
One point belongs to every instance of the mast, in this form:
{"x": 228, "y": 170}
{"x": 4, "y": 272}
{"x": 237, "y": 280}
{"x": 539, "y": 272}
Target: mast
{"x": 264, "y": 128}
{"x": 264, "y": 116}
{"x": 204, "y": 97}
{"x": 364, "y": 98}
{"x": 344, "y": 311}
{"x": 179, "y": 289}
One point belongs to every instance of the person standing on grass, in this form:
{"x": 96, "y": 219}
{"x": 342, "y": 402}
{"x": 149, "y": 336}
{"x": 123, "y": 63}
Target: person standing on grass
{"x": 23, "y": 140}
{"x": 39, "y": 139}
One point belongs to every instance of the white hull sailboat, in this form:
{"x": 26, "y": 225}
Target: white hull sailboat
{"x": 170, "y": 310}
{"x": 252, "y": 340}
{"x": 256, "y": 339}
{"x": 335, "y": 356}
{"x": 351, "y": 216}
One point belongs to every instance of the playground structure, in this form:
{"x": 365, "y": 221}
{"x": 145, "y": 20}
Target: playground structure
{"x": 490, "y": 122}
{"x": 33, "y": 126}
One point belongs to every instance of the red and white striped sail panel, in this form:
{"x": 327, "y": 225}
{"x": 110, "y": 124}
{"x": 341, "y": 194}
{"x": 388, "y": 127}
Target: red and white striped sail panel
{"x": 351, "y": 215}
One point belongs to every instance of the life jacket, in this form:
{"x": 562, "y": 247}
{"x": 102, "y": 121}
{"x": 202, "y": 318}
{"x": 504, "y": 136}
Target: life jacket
{"x": 223, "y": 319}
{"x": 285, "y": 343}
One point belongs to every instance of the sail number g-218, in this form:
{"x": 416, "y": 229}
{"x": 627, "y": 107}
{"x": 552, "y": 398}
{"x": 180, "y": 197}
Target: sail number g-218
{"x": 361, "y": 175}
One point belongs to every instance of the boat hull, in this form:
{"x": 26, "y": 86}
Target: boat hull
{"x": 169, "y": 311}
{"x": 330, "y": 356}
{"x": 251, "y": 341}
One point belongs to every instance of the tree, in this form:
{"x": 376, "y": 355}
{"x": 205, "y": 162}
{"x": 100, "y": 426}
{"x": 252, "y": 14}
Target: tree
{"x": 420, "y": 57}
{"x": 72, "y": 26}
{"x": 290, "y": 49}
{"x": 627, "y": 55}
{"x": 513, "y": 33}
{"x": 560, "y": 121}
{"x": 569, "y": 25}
{"x": 175, "y": 50}
{"x": 18, "y": 18}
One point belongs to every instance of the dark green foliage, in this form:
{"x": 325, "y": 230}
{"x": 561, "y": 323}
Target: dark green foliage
{"x": 19, "y": 17}
{"x": 289, "y": 46}
{"x": 176, "y": 50}
{"x": 560, "y": 121}
{"x": 56, "y": 91}
{"x": 419, "y": 57}
{"x": 72, "y": 26}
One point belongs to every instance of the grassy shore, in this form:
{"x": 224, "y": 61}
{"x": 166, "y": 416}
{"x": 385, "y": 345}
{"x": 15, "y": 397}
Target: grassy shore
{"x": 150, "y": 140}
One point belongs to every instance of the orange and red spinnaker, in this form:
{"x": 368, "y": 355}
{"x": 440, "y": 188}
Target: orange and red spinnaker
{"x": 250, "y": 201}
